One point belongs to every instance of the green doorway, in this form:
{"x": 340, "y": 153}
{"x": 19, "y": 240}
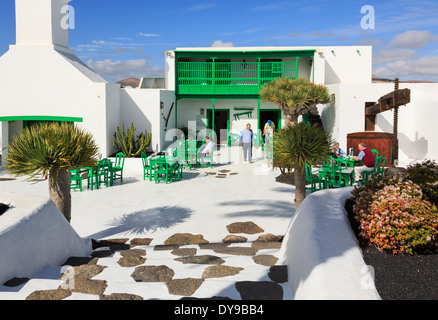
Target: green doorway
{"x": 221, "y": 124}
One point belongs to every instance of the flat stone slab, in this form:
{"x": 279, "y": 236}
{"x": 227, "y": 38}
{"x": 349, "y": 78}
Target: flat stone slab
{"x": 265, "y": 260}
{"x": 220, "y": 271}
{"x": 237, "y": 251}
{"x": 78, "y": 279}
{"x": 184, "y": 287}
{"x": 184, "y": 239}
{"x": 183, "y": 252}
{"x": 133, "y": 253}
{"x": 121, "y": 296}
{"x": 204, "y": 259}
{"x": 260, "y": 245}
{"x": 153, "y": 274}
{"x": 259, "y": 290}
{"x": 57, "y": 294}
{"x": 140, "y": 242}
{"x": 131, "y": 261}
{"x": 234, "y": 239}
{"x": 248, "y": 227}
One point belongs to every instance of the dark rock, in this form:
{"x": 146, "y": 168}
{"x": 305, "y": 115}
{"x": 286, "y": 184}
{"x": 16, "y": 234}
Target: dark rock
{"x": 234, "y": 239}
{"x": 4, "y": 208}
{"x": 185, "y": 238}
{"x": 153, "y": 274}
{"x": 78, "y": 261}
{"x": 57, "y": 294}
{"x": 131, "y": 261}
{"x": 162, "y": 247}
{"x": 184, "y": 287}
{"x": 182, "y": 252}
{"x": 237, "y": 251}
{"x": 141, "y": 242}
{"x": 15, "y": 282}
{"x": 262, "y": 290}
{"x": 205, "y": 259}
{"x": 244, "y": 227}
{"x": 121, "y": 296}
{"x": 278, "y": 274}
{"x": 265, "y": 260}
{"x": 220, "y": 271}
{"x": 260, "y": 245}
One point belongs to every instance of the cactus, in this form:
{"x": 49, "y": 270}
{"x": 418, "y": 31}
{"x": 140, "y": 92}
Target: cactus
{"x": 127, "y": 144}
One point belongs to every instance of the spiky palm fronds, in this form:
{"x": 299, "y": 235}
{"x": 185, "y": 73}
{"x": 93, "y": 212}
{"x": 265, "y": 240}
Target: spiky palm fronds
{"x": 294, "y": 96}
{"x": 295, "y": 146}
{"x": 39, "y": 149}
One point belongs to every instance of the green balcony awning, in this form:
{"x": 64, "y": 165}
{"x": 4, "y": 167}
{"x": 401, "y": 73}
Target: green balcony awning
{"x": 41, "y": 118}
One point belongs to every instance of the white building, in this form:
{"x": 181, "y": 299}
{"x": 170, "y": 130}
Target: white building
{"x": 216, "y": 88}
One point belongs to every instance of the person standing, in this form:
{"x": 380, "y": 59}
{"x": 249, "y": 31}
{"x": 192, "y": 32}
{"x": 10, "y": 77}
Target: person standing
{"x": 246, "y": 140}
{"x": 268, "y": 131}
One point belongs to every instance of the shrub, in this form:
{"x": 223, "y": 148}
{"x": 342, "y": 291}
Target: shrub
{"x": 425, "y": 174}
{"x": 394, "y": 216}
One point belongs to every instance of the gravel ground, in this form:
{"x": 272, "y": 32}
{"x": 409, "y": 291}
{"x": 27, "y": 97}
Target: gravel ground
{"x": 400, "y": 277}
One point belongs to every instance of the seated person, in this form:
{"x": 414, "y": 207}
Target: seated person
{"x": 338, "y": 151}
{"x": 368, "y": 159}
{"x": 207, "y": 149}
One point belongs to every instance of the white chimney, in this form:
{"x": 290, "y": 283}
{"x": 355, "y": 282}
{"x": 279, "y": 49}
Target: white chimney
{"x": 41, "y": 22}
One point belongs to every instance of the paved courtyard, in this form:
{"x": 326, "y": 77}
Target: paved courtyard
{"x": 216, "y": 233}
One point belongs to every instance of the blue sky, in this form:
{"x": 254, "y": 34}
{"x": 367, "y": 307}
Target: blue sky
{"x": 121, "y": 39}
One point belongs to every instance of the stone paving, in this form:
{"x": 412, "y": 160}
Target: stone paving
{"x": 184, "y": 266}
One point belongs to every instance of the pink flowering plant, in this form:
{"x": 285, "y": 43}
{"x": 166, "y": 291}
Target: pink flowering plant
{"x": 394, "y": 216}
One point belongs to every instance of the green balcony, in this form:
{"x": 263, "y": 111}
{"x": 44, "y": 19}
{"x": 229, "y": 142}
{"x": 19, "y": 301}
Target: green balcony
{"x": 230, "y": 78}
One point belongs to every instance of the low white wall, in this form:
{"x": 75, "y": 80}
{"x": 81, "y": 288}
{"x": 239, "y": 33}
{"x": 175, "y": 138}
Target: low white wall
{"x": 322, "y": 253}
{"x": 33, "y": 235}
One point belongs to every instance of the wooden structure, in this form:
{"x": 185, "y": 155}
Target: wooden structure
{"x": 381, "y": 141}
{"x": 385, "y": 143}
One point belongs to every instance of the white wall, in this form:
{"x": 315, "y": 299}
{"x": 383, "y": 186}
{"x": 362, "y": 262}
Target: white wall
{"x": 142, "y": 107}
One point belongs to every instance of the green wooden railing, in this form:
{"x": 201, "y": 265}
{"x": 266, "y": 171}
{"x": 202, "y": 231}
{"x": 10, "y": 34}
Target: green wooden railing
{"x": 231, "y": 78}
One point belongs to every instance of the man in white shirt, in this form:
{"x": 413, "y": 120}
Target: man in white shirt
{"x": 207, "y": 149}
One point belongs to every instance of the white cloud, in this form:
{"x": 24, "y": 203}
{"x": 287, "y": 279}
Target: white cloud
{"x": 220, "y": 43}
{"x": 148, "y": 34}
{"x": 388, "y": 55}
{"x": 423, "y": 66}
{"x": 119, "y": 70}
{"x": 411, "y": 39}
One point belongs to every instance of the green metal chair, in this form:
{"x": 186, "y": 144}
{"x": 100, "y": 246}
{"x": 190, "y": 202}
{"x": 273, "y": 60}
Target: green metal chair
{"x": 76, "y": 179}
{"x": 314, "y": 181}
{"x": 192, "y": 154}
{"x": 176, "y": 172}
{"x": 147, "y": 167}
{"x": 379, "y": 169}
{"x": 162, "y": 172}
{"x": 334, "y": 178}
{"x": 375, "y": 152}
{"x": 117, "y": 168}
{"x": 102, "y": 174}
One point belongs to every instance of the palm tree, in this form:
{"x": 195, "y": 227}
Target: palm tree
{"x": 51, "y": 149}
{"x": 294, "y": 96}
{"x": 294, "y": 146}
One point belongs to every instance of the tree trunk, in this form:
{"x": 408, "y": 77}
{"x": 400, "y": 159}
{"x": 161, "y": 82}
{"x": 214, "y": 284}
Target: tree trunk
{"x": 59, "y": 190}
{"x": 300, "y": 186}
